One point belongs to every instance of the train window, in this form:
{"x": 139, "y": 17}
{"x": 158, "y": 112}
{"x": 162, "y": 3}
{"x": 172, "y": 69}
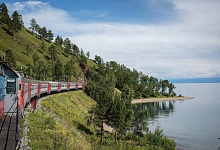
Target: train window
{"x": 19, "y": 86}
{"x": 11, "y": 86}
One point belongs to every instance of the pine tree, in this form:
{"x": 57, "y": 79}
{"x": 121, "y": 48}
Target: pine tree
{"x": 38, "y": 29}
{"x": 68, "y": 68}
{"x": 58, "y": 71}
{"x": 75, "y": 49}
{"x": 17, "y": 22}
{"x": 50, "y": 35}
{"x": 52, "y": 52}
{"x": 88, "y": 54}
{"x": 4, "y": 15}
{"x": 117, "y": 116}
{"x": 43, "y": 32}
{"x": 67, "y": 45}
{"x": 59, "y": 42}
{"x": 33, "y": 24}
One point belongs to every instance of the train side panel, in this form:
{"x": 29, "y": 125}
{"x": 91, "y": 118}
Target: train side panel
{"x": 2, "y": 95}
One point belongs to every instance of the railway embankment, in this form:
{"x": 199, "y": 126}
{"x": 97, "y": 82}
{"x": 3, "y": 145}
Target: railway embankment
{"x": 59, "y": 122}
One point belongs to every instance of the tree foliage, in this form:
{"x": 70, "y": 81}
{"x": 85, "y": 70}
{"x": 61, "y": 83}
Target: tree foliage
{"x": 10, "y": 59}
{"x": 59, "y": 42}
{"x": 52, "y": 52}
{"x": 4, "y": 15}
{"x": 58, "y": 71}
{"x": 50, "y": 35}
{"x": 17, "y": 22}
{"x": 33, "y": 24}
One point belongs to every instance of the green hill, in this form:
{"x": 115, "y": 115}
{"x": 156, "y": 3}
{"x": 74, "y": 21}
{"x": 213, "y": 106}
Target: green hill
{"x": 18, "y": 43}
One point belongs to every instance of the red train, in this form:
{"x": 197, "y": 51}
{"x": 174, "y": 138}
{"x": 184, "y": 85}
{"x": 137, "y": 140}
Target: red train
{"x": 14, "y": 87}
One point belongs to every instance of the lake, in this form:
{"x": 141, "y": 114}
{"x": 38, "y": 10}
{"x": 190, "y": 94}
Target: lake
{"x": 193, "y": 124}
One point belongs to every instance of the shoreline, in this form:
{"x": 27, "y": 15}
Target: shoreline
{"x": 151, "y": 100}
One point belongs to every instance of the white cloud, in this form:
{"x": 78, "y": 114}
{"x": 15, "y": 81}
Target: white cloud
{"x": 102, "y": 15}
{"x": 188, "y": 47}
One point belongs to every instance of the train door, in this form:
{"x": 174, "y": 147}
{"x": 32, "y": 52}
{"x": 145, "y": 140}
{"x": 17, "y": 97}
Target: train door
{"x": 11, "y": 97}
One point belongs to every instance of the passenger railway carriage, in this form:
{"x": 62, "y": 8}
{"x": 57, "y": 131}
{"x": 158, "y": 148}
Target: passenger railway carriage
{"x": 16, "y": 92}
{"x": 15, "y": 88}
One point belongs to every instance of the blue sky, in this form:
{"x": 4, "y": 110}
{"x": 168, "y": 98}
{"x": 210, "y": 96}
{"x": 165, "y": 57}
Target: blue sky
{"x": 162, "y": 38}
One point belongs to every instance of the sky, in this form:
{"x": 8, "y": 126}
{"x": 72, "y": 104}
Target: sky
{"x": 161, "y": 38}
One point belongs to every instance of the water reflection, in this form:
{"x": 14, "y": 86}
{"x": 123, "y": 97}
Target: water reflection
{"x": 156, "y": 109}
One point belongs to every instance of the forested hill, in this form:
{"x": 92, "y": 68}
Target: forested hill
{"x": 34, "y": 51}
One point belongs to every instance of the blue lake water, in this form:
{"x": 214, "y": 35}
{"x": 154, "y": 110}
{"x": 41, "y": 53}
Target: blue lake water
{"x": 194, "y": 124}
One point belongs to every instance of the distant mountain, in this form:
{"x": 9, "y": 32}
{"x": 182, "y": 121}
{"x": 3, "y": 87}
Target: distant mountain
{"x": 196, "y": 80}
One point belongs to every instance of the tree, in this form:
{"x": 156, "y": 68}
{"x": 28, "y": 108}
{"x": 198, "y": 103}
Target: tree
{"x": 88, "y": 54}
{"x": 101, "y": 89}
{"x": 127, "y": 98}
{"x": 38, "y": 29}
{"x": 28, "y": 49}
{"x": 4, "y": 15}
{"x": 98, "y": 59}
{"x": 52, "y": 52}
{"x": 140, "y": 123}
{"x": 171, "y": 87}
{"x": 59, "y": 42}
{"x": 58, "y": 71}
{"x": 50, "y": 35}
{"x": 67, "y": 45}
{"x": 17, "y": 22}
{"x": 164, "y": 85}
{"x": 117, "y": 115}
{"x": 43, "y": 47}
{"x": 68, "y": 68}
{"x": 10, "y": 59}
{"x": 35, "y": 65}
{"x": 33, "y": 24}
{"x": 43, "y": 32}
{"x": 83, "y": 59}
{"x": 75, "y": 49}
{"x": 35, "y": 58}
{"x": 27, "y": 73}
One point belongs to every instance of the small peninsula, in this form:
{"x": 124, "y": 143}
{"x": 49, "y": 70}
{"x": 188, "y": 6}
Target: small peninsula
{"x": 151, "y": 100}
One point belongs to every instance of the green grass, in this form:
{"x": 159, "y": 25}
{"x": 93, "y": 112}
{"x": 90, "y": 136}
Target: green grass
{"x": 17, "y": 43}
{"x": 62, "y": 122}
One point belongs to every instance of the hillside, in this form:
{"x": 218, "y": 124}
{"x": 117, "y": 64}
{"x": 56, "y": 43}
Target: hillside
{"x": 17, "y": 43}
{"x": 61, "y": 122}
{"x": 38, "y": 47}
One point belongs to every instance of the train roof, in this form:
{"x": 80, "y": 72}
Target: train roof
{"x": 8, "y": 71}
{"x": 34, "y": 81}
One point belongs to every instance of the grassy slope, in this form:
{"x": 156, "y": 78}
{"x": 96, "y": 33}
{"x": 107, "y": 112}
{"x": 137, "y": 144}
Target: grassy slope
{"x": 17, "y": 43}
{"x": 61, "y": 123}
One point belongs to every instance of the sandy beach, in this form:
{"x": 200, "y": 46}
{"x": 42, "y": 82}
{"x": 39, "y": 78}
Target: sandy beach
{"x": 150, "y": 100}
